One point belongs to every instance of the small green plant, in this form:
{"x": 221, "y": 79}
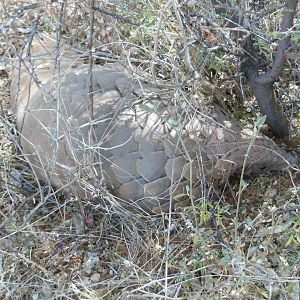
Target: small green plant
{"x": 294, "y": 232}
{"x": 257, "y": 126}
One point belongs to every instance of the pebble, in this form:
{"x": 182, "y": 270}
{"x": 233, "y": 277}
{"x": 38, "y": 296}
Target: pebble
{"x": 95, "y": 277}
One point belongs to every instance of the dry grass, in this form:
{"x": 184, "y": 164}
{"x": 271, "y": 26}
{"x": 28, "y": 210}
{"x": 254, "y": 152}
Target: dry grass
{"x": 46, "y": 250}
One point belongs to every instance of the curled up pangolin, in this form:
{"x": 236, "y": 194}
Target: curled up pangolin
{"x": 150, "y": 152}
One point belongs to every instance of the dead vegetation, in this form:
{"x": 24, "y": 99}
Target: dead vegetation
{"x": 53, "y": 246}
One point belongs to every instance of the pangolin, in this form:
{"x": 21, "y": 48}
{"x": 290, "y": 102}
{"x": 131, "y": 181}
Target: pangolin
{"x": 81, "y": 127}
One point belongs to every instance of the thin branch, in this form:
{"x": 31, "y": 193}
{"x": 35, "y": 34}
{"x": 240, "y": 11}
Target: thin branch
{"x": 115, "y": 16}
{"x": 91, "y": 61}
{"x": 279, "y": 61}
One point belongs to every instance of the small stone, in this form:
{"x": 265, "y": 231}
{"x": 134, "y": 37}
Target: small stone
{"x": 78, "y": 222}
{"x": 95, "y": 277}
{"x": 271, "y": 192}
{"x": 35, "y": 297}
{"x": 91, "y": 262}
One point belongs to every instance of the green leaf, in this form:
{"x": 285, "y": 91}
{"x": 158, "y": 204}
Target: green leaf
{"x": 148, "y": 109}
{"x": 179, "y": 196}
{"x": 244, "y": 184}
{"x": 187, "y": 188}
{"x": 260, "y": 121}
{"x": 173, "y": 123}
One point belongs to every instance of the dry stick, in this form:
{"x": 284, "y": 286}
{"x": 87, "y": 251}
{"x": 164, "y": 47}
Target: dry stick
{"x": 113, "y": 15}
{"x": 187, "y": 55}
{"x": 59, "y": 102}
{"x": 30, "y": 62}
{"x": 90, "y": 47}
{"x": 33, "y": 75}
{"x": 92, "y": 134}
{"x": 171, "y": 195}
{"x": 19, "y": 12}
{"x": 154, "y": 53}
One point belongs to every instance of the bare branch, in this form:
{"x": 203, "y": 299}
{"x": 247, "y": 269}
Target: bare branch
{"x": 262, "y": 84}
{"x": 283, "y": 45}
